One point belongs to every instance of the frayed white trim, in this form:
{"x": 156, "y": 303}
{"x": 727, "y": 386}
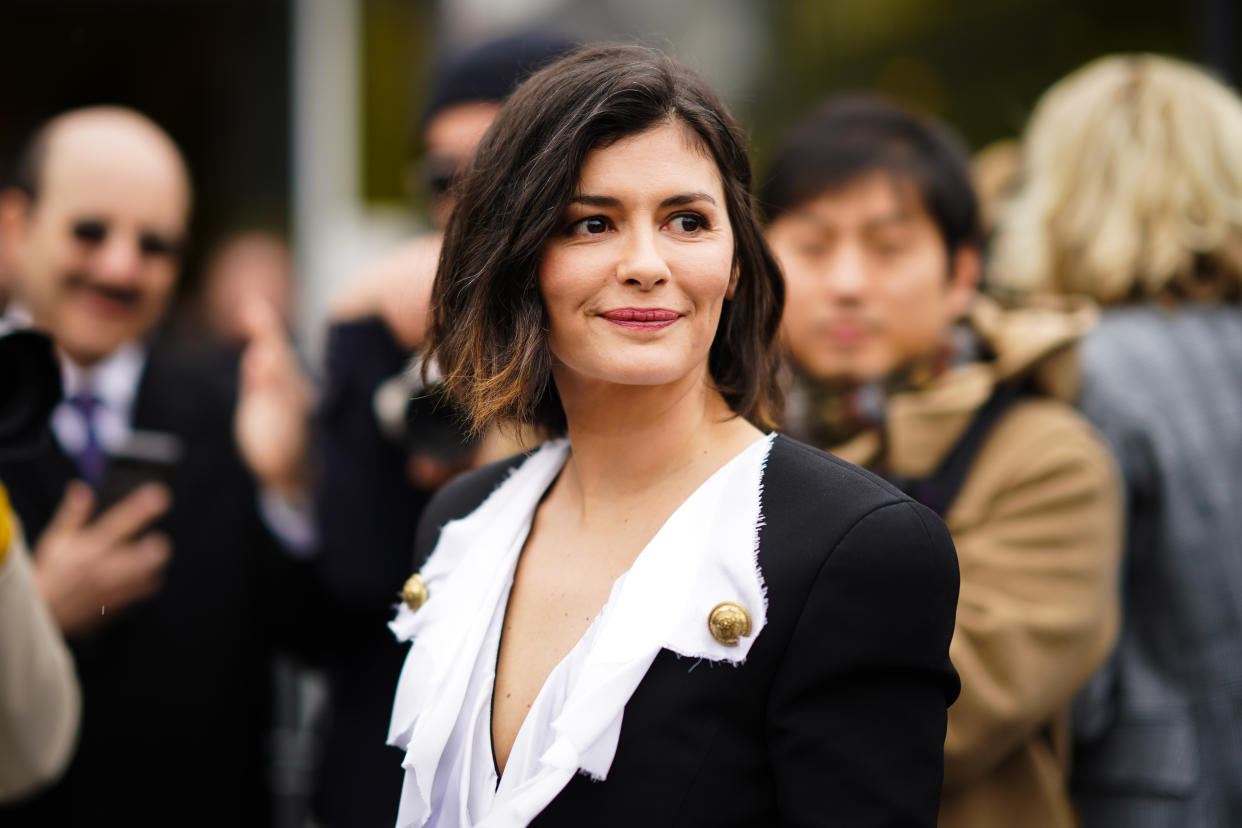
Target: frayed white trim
{"x": 760, "y": 521}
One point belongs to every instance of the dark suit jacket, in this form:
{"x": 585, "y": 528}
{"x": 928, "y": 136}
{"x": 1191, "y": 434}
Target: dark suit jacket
{"x": 837, "y": 717}
{"x": 367, "y": 512}
{"x": 176, "y": 690}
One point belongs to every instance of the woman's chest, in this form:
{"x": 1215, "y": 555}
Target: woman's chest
{"x": 559, "y": 588}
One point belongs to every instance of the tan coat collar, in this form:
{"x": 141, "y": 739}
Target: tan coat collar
{"x": 1032, "y": 345}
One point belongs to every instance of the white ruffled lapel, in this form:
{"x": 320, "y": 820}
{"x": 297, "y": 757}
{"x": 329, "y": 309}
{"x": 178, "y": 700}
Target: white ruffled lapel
{"x": 704, "y": 554}
{"x": 467, "y": 575}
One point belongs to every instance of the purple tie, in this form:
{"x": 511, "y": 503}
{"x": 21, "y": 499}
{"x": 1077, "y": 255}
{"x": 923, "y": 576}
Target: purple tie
{"x": 90, "y": 458}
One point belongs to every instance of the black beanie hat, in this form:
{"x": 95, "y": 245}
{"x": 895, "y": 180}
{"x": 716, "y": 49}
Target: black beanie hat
{"x": 491, "y": 71}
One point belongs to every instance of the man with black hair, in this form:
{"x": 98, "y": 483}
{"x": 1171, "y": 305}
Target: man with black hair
{"x": 899, "y": 365}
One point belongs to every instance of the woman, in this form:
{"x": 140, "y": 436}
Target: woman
{"x": 1132, "y": 195}
{"x": 663, "y": 616}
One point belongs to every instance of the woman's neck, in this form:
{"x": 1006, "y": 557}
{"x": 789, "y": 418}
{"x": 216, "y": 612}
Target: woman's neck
{"x": 630, "y": 442}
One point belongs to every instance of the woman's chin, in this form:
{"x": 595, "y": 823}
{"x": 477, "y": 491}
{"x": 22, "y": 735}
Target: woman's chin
{"x": 638, "y": 378}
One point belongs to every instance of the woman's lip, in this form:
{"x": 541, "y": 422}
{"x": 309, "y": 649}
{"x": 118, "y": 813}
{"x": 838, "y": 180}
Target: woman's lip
{"x": 641, "y": 315}
{"x": 642, "y": 318}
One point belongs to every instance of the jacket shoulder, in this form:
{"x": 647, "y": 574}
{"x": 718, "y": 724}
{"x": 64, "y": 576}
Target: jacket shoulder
{"x": 813, "y": 502}
{"x": 817, "y": 507}
{"x": 1035, "y": 420}
{"x": 458, "y": 498}
{"x": 1035, "y": 437}
{"x": 797, "y": 472}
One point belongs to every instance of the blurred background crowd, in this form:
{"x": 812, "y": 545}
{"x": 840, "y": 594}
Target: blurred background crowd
{"x": 300, "y": 118}
{"x": 1047, "y": 240}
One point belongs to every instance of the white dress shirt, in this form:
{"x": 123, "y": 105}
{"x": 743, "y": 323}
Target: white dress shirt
{"x": 114, "y": 382}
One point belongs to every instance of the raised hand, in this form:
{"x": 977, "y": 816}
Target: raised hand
{"x": 397, "y": 289}
{"x": 89, "y": 569}
{"x": 271, "y": 425}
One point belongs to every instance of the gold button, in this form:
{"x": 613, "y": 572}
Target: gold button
{"x": 414, "y": 593}
{"x": 728, "y": 622}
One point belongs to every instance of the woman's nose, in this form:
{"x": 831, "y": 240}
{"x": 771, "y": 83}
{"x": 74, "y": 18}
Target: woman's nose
{"x": 642, "y": 264}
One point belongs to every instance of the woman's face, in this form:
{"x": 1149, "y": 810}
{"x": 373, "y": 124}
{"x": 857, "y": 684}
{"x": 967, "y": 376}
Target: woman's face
{"x": 635, "y": 276}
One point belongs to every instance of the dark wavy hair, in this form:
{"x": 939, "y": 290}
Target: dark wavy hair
{"x": 488, "y": 331}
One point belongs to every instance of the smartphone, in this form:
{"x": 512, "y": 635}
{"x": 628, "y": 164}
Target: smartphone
{"x": 144, "y": 457}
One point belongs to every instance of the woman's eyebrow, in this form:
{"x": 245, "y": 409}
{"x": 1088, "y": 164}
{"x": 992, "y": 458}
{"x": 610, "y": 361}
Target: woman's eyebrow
{"x": 687, "y": 198}
{"x": 671, "y": 201}
{"x": 596, "y": 200}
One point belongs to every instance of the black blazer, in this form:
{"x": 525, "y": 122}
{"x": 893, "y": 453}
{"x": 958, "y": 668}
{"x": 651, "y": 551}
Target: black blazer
{"x": 176, "y": 689}
{"x": 838, "y": 715}
{"x": 367, "y": 512}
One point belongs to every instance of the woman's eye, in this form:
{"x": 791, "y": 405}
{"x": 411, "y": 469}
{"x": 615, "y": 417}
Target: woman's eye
{"x": 688, "y": 223}
{"x": 591, "y": 226}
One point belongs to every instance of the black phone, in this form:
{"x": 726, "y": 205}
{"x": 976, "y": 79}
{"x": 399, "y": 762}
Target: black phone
{"x": 144, "y": 457}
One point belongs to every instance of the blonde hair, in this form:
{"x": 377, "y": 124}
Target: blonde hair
{"x": 1132, "y": 187}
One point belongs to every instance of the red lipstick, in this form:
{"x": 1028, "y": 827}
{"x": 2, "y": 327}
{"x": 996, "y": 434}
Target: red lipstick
{"x": 642, "y": 319}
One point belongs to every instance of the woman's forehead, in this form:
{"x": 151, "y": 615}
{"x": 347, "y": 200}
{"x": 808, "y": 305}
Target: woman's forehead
{"x": 668, "y": 155}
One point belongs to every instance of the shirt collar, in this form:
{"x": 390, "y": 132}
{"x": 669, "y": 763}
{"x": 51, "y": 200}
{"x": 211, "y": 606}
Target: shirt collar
{"x": 14, "y": 317}
{"x": 113, "y": 380}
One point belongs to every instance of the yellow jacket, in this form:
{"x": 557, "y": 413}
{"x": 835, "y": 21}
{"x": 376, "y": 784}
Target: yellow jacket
{"x": 1038, "y": 530}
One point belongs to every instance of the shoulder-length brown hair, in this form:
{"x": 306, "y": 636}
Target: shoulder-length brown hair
{"x": 488, "y": 331}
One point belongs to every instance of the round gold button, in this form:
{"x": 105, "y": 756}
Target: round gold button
{"x": 729, "y": 622}
{"x": 414, "y": 593}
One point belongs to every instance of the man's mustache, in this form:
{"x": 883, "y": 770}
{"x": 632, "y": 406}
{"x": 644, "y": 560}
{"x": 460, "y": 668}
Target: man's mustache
{"x": 124, "y": 296}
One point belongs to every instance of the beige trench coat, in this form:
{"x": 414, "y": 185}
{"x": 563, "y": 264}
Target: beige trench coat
{"x": 1038, "y": 530}
{"x": 40, "y": 704}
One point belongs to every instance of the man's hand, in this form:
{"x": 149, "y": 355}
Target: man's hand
{"x": 87, "y": 568}
{"x": 397, "y": 289}
{"x": 274, "y": 405}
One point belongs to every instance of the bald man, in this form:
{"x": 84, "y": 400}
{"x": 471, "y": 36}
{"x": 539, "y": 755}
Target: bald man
{"x": 174, "y": 598}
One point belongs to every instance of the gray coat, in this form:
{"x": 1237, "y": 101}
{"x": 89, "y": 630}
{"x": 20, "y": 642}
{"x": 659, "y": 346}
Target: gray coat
{"x": 1159, "y": 732}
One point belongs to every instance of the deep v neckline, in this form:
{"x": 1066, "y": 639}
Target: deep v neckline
{"x": 500, "y": 640}
{"x": 491, "y": 704}
{"x": 562, "y": 663}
